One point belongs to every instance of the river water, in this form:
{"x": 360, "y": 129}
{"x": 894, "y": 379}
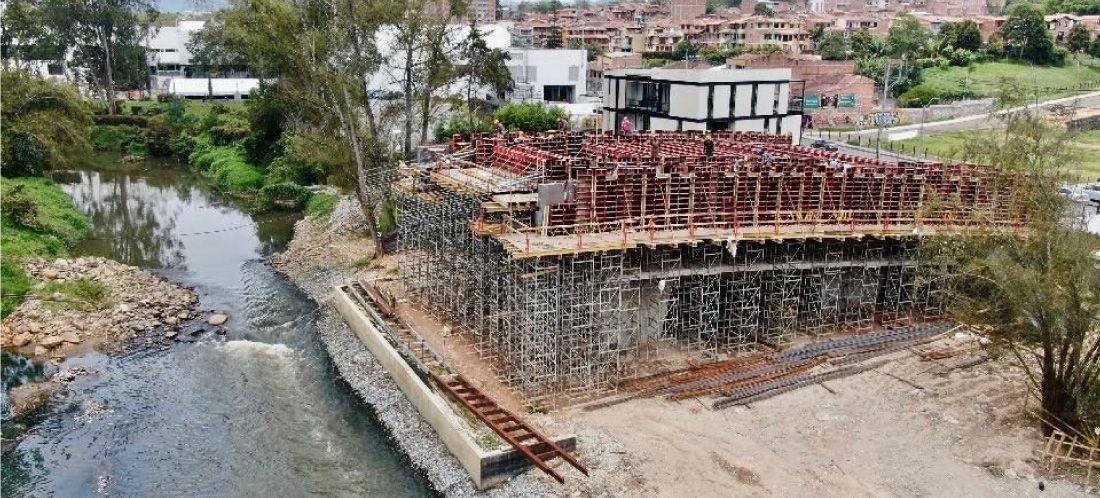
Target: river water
{"x": 258, "y": 412}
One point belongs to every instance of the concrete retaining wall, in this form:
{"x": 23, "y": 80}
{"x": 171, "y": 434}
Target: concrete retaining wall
{"x": 486, "y": 468}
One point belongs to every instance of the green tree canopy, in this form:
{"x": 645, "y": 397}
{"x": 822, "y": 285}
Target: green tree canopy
{"x": 907, "y": 38}
{"x": 1026, "y": 37}
{"x": 864, "y": 44}
{"x": 1080, "y": 7}
{"x": 762, "y": 9}
{"x": 45, "y": 125}
{"x": 833, "y": 46}
{"x": 1079, "y": 38}
{"x": 107, "y": 38}
{"x": 962, "y": 35}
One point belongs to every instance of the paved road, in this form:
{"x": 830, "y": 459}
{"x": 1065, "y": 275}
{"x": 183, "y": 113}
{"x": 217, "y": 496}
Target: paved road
{"x": 979, "y": 121}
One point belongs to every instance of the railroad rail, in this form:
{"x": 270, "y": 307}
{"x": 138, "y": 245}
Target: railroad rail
{"x": 508, "y": 426}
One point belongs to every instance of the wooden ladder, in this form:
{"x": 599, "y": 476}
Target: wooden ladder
{"x": 525, "y": 438}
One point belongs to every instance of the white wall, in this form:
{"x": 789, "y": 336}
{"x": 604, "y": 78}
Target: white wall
{"x": 765, "y": 99}
{"x": 664, "y": 124}
{"x": 550, "y": 67}
{"x": 744, "y": 101}
{"x": 721, "y": 101}
{"x": 686, "y": 101}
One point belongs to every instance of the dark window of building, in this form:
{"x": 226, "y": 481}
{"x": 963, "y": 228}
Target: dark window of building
{"x": 557, "y": 93}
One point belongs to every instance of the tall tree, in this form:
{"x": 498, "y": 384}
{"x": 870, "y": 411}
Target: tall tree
{"x": 907, "y": 38}
{"x": 762, "y": 9}
{"x": 324, "y": 54}
{"x": 1026, "y": 37}
{"x": 962, "y": 35}
{"x": 1037, "y": 290}
{"x": 483, "y": 67}
{"x": 865, "y": 44}
{"x": 107, "y": 40}
{"x": 1079, "y": 38}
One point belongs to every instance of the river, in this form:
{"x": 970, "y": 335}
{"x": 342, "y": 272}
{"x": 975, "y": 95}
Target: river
{"x": 258, "y": 412}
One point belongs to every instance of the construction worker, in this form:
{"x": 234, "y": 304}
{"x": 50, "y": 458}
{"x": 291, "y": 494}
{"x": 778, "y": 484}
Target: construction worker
{"x": 564, "y": 125}
{"x": 626, "y": 126}
{"x": 708, "y": 145}
{"x": 499, "y": 127}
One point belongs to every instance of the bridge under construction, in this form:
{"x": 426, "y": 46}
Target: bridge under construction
{"x": 570, "y": 259}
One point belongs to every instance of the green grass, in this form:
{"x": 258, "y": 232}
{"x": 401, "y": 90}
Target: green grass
{"x": 1045, "y": 82}
{"x": 322, "y": 205}
{"x": 81, "y": 293}
{"x": 58, "y": 226}
{"x": 227, "y": 167}
{"x": 951, "y": 145}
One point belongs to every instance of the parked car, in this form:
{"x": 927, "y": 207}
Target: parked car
{"x": 825, "y": 145}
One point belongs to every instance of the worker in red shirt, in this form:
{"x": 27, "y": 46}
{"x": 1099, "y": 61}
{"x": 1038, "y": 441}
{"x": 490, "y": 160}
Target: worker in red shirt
{"x": 626, "y": 126}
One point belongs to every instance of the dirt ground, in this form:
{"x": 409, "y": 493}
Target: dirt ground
{"x": 910, "y": 428}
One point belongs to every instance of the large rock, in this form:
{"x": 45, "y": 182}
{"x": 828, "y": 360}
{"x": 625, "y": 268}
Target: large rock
{"x": 22, "y": 339}
{"x": 217, "y": 319}
{"x": 70, "y": 337}
{"x": 51, "y": 341}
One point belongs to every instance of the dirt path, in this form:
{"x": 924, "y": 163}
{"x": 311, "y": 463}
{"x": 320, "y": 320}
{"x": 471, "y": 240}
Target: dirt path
{"x": 870, "y": 435}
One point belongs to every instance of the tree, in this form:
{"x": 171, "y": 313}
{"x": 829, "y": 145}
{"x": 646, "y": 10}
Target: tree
{"x": 483, "y": 67}
{"x": 684, "y": 50}
{"x": 907, "y": 38}
{"x": 212, "y": 50}
{"x": 45, "y": 125}
{"x": 24, "y": 36}
{"x": 1079, "y": 38}
{"x": 962, "y": 35}
{"x": 106, "y": 37}
{"x": 864, "y": 44}
{"x": 324, "y": 55}
{"x": 1079, "y": 7}
{"x": 818, "y": 33}
{"x": 762, "y": 9}
{"x": 833, "y": 47}
{"x": 1037, "y": 290}
{"x": 1026, "y": 37}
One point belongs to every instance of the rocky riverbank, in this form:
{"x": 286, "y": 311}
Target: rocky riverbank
{"x": 95, "y": 303}
{"x": 325, "y": 253}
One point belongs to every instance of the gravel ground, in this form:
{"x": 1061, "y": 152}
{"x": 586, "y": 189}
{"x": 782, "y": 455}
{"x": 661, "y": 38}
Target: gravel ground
{"x": 316, "y": 273}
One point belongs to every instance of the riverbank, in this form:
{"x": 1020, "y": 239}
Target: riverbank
{"x": 80, "y": 304}
{"x": 325, "y": 252}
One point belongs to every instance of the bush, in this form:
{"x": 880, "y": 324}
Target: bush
{"x": 530, "y": 117}
{"x": 289, "y": 168}
{"x": 921, "y": 95}
{"x": 81, "y": 293}
{"x": 227, "y": 167}
{"x": 322, "y": 205}
{"x": 121, "y": 119}
{"x": 115, "y": 138}
{"x": 20, "y": 208}
{"x": 24, "y": 155}
{"x": 273, "y": 194}
{"x": 460, "y": 125}
{"x": 158, "y": 137}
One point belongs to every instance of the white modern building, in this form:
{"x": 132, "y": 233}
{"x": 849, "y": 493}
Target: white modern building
{"x": 762, "y": 100}
{"x": 548, "y": 75}
{"x": 167, "y": 48}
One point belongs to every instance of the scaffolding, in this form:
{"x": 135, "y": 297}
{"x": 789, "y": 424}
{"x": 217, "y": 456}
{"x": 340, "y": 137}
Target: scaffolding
{"x": 566, "y": 258}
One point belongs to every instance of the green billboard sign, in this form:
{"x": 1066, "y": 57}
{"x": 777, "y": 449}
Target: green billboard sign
{"x": 813, "y": 101}
{"x": 847, "y": 100}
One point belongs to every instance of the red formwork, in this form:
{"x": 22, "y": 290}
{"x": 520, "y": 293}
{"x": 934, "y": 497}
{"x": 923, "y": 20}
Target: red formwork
{"x": 658, "y": 181}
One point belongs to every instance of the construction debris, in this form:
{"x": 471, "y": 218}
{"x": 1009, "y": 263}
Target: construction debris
{"x": 754, "y": 378}
{"x": 571, "y": 259}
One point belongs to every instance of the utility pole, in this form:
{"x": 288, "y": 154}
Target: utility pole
{"x": 920, "y": 132}
{"x": 882, "y": 110}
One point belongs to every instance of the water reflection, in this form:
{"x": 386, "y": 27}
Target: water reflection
{"x": 256, "y": 412}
